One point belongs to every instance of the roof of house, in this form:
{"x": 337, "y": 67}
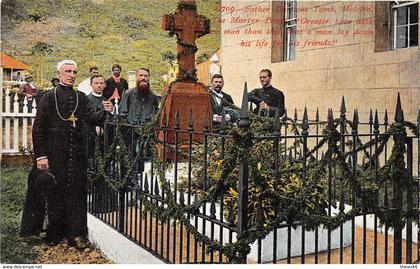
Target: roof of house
{"x": 10, "y": 63}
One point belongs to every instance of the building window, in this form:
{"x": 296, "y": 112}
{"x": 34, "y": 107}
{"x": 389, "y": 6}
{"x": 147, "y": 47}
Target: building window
{"x": 290, "y": 30}
{"x": 283, "y": 30}
{"x": 405, "y": 24}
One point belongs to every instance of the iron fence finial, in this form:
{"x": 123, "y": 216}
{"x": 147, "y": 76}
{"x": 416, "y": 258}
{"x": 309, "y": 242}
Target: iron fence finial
{"x": 260, "y": 215}
{"x": 213, "y": 210}
{"x": 164, "y": 119}
{"x": 276, "y": 123}
{"x": 244, "y": 113}
{"x": 156, "y": 186}
{"x": 355, "y": 126}
{"x": 190, "y": 122}
{"x": 206, "y": 124}
{"x": 305, "y": 123}
{"x": 146, "y": 184}
{"x": 343, "y": 106}
{"x": 181, "y": 198}
{"x": 330, "y": 119}
{"x": 399, "y": 113}
{"x": 176, "y": 126}
{"x": 349, "y": 161}
{"x": 386, "y": 117}
{"x": 376, "y": 122}
{"x": 370, "y": 116}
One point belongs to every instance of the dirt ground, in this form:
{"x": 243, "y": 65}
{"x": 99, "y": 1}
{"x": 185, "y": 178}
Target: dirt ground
{"x": 65, "y": 254}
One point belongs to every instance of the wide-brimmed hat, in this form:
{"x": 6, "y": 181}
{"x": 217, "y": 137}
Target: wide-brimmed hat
{"x": 45, "y": 182}
{"x": 28, "y": 76}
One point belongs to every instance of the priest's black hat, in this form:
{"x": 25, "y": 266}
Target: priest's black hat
{"x": 45, "y": 182}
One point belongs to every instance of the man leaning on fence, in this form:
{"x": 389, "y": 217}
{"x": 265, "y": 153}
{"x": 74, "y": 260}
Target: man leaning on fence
{"x": 267, "y": 98}
{"x": 221, "y": 102}
{"x": 59, "y": 149}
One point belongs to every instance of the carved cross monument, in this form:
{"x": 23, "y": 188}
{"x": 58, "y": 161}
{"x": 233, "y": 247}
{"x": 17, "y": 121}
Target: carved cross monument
{"x": 188, "y": 26}
{"x": 185, "y": 94}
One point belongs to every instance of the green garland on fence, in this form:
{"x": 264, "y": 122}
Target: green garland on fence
{"x": 116, "y": 151}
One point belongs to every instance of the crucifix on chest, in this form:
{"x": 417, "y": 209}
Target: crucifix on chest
{"x": 73, "y": 119}
{"x": 188, "y": 26}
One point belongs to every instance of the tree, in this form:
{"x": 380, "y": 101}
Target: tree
{"x": 40, "y": 51}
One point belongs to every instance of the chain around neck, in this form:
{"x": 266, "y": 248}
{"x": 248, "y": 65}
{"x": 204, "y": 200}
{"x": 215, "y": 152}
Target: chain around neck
{"x": 56, "y": 105}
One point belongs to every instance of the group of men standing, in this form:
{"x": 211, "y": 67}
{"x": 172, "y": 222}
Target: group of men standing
{"x": 58, "y": 139}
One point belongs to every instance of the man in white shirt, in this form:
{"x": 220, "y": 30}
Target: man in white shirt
{"x": 84, "y": 86}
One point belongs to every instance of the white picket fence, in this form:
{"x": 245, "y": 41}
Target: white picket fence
{"x": 17, "y": 123}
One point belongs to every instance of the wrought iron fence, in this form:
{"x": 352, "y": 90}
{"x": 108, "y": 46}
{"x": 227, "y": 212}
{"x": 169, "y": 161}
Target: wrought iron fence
{"x": 264, "y": 191}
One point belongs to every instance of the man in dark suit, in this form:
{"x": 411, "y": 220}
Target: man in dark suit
{"x": 221, "y": 102}
{"x": 115, "y": 85}
{"x": 267, "y": 99}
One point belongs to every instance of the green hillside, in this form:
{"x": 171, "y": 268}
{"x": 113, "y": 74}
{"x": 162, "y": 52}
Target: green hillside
{"x": 96, "y": 32}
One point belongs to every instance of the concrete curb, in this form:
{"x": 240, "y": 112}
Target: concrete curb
{"x": 117, "y": 247}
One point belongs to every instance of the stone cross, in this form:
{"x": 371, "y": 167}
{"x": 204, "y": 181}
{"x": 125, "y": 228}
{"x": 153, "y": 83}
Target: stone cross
{"x": 188, "y": 26}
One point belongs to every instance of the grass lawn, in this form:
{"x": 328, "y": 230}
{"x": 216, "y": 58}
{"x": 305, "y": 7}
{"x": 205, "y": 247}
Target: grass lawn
{"x": 13, "y": 188}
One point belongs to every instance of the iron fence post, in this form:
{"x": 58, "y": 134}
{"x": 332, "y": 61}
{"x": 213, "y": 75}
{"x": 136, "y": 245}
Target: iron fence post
{"x": 409, "y": 222}
{"x": 244, "y": 125}
{"x": 397, "y": 203}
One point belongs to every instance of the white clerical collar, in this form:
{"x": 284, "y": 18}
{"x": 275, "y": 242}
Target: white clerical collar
{"x": 96, "y": 94}
{"x": 65, "y": 86}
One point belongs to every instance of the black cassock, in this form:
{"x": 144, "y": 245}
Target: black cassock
{"x": 273, "y": 97}
{"x": 64, "y": 146}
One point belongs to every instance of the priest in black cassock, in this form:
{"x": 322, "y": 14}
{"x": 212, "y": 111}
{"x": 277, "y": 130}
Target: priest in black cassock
{"x": 94, "y": 102}
{"x": 267, "y": 99}
{"x": 59, "y": 148}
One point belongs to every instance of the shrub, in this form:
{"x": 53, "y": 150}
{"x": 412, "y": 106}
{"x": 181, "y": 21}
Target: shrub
{"x": 13, "y": 188}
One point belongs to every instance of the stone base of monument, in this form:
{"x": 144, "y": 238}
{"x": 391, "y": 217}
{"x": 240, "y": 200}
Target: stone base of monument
{"x": 185, "y": 98}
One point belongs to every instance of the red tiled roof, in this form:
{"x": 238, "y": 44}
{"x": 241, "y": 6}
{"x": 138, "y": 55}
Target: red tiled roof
{"x": 10, "y": 63}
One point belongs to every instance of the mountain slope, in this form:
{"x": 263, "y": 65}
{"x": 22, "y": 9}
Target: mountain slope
{"x": 95, "y": 32}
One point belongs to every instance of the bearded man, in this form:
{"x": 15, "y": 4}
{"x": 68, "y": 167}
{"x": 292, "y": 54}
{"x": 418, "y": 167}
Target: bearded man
{"x": 139, "y": 104}
{"x": 221, "y": 102}
{"x": 57, "y": 137}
